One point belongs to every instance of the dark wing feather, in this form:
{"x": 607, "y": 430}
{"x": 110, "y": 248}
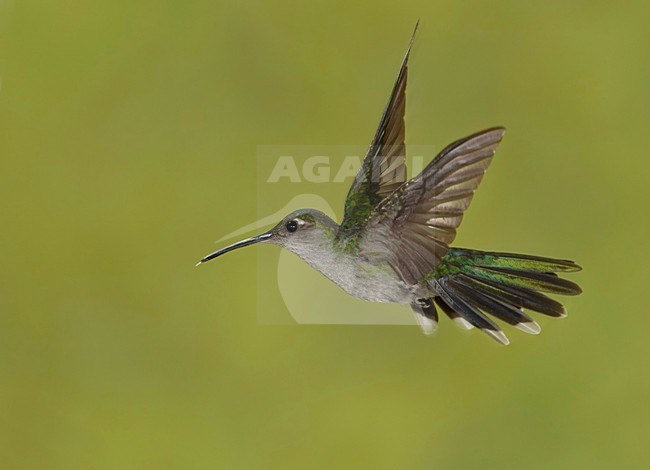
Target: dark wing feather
{"x": 412, "y": 228}
{"x": 384, "y": 167}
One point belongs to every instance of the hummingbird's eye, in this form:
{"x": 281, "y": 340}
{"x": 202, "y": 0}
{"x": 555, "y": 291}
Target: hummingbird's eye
{"x": 292, "y": 226}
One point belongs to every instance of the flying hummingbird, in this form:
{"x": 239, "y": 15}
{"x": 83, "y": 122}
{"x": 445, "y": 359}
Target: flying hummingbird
{"x": 393, "y": 244}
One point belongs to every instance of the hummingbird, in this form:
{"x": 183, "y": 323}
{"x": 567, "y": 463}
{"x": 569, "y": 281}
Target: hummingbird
{"x": 394, "y": 241}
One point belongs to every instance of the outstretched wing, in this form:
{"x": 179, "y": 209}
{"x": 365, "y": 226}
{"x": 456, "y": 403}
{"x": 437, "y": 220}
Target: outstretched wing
{"x": 384, "y": 166}
{"x": 412, "y": 228}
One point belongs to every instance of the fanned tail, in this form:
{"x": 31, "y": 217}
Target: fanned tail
{"x": 473, "y": 283}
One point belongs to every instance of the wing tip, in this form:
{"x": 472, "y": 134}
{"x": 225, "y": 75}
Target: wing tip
{"x": 501, "y": 130}
{"x": 408, "y": 49}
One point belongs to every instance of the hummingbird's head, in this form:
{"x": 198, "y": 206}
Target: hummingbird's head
{"x": 298, "y": 232}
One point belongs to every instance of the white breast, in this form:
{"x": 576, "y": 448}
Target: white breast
{"x": 358, "y": 277}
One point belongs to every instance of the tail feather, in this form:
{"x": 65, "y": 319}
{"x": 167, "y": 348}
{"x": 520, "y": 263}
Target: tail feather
{"x": 541, "y": 281}
{"x": 469, "y": 311}
{"x": 453, "y": 315}
{"x": 504, "y": 311}
{"x": 472, "y": 283}
{"x": 520, "y": 297}
{"x": 522, "y": 262}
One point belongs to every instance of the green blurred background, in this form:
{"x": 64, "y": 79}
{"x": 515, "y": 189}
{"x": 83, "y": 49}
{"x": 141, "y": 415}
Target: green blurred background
{"x": 128, "y": 133}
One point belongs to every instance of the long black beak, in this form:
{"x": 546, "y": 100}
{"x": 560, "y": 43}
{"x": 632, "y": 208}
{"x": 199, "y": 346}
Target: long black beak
{"x": 234, "y": 246}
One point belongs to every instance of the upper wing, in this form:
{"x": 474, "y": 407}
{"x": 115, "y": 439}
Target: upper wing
{"x": 412, "y": 228}
{"x": 384, "y": 166}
